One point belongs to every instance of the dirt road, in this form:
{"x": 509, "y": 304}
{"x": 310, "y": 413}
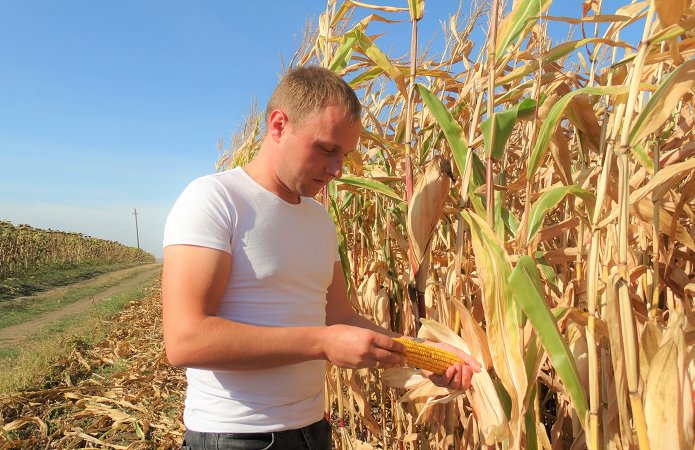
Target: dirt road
{"x": 127, "y": 280}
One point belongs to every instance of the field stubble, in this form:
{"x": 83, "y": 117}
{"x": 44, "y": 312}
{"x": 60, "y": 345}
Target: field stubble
{"x": 120, "y": 393}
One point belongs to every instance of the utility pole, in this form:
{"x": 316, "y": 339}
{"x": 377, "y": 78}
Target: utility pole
{"x": 137, "y": 233}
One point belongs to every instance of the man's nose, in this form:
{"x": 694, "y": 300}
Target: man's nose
{"x": 335, "y": 168}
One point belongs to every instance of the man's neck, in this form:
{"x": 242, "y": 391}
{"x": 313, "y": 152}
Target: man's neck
{"x": 261, "y": 171}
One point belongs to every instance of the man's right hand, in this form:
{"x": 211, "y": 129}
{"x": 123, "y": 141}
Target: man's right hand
{"x": 352, "y": 347}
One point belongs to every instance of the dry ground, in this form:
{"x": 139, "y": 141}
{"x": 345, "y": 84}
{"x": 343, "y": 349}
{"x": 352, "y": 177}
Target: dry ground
{"x": 14, "y": 335}
{"x": 119, "y": 394}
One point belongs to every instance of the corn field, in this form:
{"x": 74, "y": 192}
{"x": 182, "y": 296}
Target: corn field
{"x": 24, "y": 249}
{"x": 528, "y": 201}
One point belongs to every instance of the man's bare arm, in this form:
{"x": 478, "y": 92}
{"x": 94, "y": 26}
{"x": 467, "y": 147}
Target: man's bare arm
{"x": 193, "y": 283}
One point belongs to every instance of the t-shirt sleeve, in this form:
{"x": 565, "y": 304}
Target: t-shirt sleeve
{"x": 203, "y": 215}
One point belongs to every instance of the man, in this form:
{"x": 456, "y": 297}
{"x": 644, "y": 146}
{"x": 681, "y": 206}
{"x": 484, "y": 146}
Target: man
{"x": 254, "y": 296}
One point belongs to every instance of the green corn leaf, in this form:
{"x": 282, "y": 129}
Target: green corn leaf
{"x": 549, "y": 200}
{"x": 673, "y": 31}
{"x": 663, "y": 101}
{"x": 453, "y": 133}
{"x": 552, "y": 55}
{"x": 554, "y": 116}
{"x": 548, "y": 272}
{"x": 334, "y": 210}
{"x": 378, "y": 57}
{"x": 342, "y": 56}
{"x": 478, "y": 178}
{"x": 504, "y": 125}
{"x": 510, "y": 221}
{"x": 452, "y": 130}
{"x": 342, "y": 11}
{"x": 530, "y": 423}
{"x": 522, "y": 17}
{"x": 478, "y": 204}
{"x": 347, "y": 199}
{"x": 643, "y": 157}
{"x": 528, "y": 293}
{"x": 365, "y": 76}
{"x": 499, "y": 225}
{"x": 372, "y": 185}
{"x": 331, "y": 189}
{"x": 138, "y": 431}
{"x": 417, "y": 9}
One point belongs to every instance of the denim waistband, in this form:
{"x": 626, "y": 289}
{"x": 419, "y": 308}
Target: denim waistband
{"x": 316, "y": 436}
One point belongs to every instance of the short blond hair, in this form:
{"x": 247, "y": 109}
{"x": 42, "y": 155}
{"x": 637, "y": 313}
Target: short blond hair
{"x": 306, "y": 90}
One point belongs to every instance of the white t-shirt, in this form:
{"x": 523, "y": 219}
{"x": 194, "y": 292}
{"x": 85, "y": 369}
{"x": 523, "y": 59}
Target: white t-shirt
{"x": 282, "y": 264}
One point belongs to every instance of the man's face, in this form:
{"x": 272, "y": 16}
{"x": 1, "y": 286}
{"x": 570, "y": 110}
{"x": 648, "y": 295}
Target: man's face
{"x": 312, "y": 154}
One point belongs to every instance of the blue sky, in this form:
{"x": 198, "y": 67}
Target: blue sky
{"x": 110, "y": 106}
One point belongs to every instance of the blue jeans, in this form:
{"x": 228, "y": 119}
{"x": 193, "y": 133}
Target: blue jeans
{"x": 316, "y": 436}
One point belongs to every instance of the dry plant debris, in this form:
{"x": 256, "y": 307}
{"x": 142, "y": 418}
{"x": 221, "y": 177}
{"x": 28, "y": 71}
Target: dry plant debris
{"x": 120, "y": 394}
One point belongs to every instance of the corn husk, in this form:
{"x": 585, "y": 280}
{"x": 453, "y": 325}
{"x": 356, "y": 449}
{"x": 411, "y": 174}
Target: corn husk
{"x": 429, "y": 195}
{"x": 668, "y": 402}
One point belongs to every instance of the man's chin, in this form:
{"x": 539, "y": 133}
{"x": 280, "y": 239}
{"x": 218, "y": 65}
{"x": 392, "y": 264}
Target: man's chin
{"x": 312, "y": 191}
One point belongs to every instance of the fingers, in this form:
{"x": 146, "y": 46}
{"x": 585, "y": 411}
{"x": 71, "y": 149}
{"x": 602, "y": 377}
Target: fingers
{"x": 388, "y": 353}
{"x": 471, "y": 362}
{"x": 387, "y": 343}
{"x": 388, "y": 358}
{"x": 380, "y": 351}
{"x": 465, "y": 377}
{"x": 458, "y": 377}
{"x": 468, "y": 359}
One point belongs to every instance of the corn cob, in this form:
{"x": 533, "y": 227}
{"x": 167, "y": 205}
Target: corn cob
{"x": 427, "y": 357}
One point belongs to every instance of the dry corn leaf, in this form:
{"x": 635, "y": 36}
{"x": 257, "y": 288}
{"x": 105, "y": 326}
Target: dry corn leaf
{"x": 21, "y": 422}
{"x": 428, "y": 409}
{"x": 668, "y": 410}
{"x": 580, "y": 350}
{"x": 618, "y": 366}
{"x": 100, "y": 442}
{"x": 501, "y": 314}
{"x": 582, "y": 115}
{"x": 403, "y": 377}
{"x": 649, "y": 345}
{"x": 670, "y": 11}
{"x": 664, "y": 180}
{"x": 662, "y": 103}
{"x": 644, "y": 210}
{"x": 483, "y": 397}
{"x": 474, "y": 336}
{"x": 559, "y": 150}
{"x": 425, "y": 391}
{"x": 361, "y": 399}
{"x": 634, "y": 10}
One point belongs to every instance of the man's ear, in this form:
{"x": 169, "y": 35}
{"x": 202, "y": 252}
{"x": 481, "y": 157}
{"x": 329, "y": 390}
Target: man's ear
{"x": 277, "y": 124}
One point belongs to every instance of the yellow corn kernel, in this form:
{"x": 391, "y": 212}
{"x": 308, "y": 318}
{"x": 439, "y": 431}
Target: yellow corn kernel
{"x": 427, "y": 357}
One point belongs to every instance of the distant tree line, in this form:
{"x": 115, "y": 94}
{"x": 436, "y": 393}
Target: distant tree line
{"x": 24, "y": 249}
